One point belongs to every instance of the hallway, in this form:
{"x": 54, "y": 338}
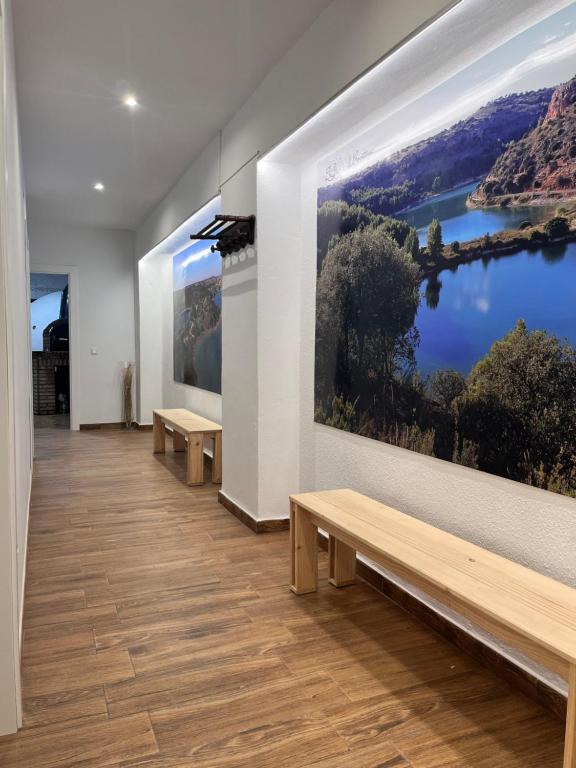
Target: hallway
{"x": 159, "y": 632}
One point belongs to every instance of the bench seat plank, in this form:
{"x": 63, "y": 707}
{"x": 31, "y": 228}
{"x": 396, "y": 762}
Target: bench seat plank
{"x": 186, "y": 421}
{"x": 530, "y": 610}
{"x": 189, "y": 430}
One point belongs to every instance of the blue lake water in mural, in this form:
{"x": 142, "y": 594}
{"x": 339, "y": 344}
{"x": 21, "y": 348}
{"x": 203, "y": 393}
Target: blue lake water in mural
{"x": 478, "y": 304}
{"x": 208, "y": 360}
{"x": 470, "y": 308}
{"x": 462, "y": 223}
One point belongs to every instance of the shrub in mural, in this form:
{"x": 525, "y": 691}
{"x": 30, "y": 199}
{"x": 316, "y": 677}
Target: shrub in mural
{"x": 197, "y": 281}
{"x": 446, "y": 254}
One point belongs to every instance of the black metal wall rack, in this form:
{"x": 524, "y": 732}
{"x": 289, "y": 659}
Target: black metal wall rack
{"x": 232, "y": 233}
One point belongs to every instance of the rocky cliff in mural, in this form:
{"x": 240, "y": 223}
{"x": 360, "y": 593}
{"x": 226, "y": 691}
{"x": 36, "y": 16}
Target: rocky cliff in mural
{"x": 428, "y": 167}
{"x": 198, "y": 334}
{"x": 541, "y": 166}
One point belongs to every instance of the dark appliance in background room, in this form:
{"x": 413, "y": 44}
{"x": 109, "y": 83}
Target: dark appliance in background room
{"x": 56, "y": 334}
{"x": 51, "y": 367}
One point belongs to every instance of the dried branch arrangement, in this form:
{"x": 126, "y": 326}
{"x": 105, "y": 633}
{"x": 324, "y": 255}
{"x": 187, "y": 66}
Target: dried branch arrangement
{"x": 127, "y": 381}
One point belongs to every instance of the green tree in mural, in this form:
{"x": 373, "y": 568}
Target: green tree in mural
{"x": 385, "y": 200}
{"x": 557, "y": 227}
{"x": 336, "y": 218}
{"x": 367, "y": 297}
{"x": 435, "y": 244}
{"x": 518, "y": 408}
{"x": 412, "y": 243}
{"x": 445, "y": 386}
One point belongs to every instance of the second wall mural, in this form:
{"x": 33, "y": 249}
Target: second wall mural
{"x": 197, "y": 286}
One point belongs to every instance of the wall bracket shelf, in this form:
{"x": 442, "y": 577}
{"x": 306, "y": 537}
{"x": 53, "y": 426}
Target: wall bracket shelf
{"x": 232, "y": 233}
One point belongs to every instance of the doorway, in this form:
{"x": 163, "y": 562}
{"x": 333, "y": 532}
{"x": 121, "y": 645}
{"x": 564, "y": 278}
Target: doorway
{"x": 49, "y": 315}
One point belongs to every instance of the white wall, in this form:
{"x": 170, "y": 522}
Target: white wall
{"x": 18, "y": 277}
{"x": 153, "y": 294}
{"x": 346, "y": 39}
{"x": 198, "y": 185}
{"x": 104, "y": 263}
{"x": 157, "y": 387}
{"x": 281, "y": 344}
{"x": 15, "y": 388}
{"x": 271, "y": 445}
{"x": 239, "y": 354}
{"x": 528, "y": 525}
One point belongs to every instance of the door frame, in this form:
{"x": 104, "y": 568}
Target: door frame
{"x": 73, "y": 333}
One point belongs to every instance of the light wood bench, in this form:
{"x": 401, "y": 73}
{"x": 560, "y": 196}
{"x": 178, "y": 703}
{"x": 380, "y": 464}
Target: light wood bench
{"x": 531, "y": 612}
{"x": 188, "y": 432}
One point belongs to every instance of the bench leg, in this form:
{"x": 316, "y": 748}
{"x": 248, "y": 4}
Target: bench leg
{"x": 195, "y": 460}
{"x": 342, "y": 563}
{"x": 178, "y": 441}
{"x": 570, "y": 744}
{"x": 303, "y": 552}
{"x": 217, "y": 458}
{"x": 159, "y": 435}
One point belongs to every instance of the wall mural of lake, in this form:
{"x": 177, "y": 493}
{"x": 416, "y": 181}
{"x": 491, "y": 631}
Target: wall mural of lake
{"x": 446, "y": 254}
{"x": 197, "y": 286}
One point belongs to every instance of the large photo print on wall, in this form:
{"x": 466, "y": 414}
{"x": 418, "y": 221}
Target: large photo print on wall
{"x": 197, "y": 285}
{"x": 446, "y": 285}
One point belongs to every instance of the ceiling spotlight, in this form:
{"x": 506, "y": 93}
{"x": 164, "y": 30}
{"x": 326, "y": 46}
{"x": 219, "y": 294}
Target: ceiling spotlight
{"x": 98, "y": 186}
{"x": 131, "y": 101}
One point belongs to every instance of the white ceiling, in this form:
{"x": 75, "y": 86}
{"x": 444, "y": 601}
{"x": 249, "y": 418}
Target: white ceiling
{"x": 191, "y": 63}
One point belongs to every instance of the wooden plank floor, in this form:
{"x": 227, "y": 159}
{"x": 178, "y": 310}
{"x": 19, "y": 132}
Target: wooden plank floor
{"x": 159, "y": 632}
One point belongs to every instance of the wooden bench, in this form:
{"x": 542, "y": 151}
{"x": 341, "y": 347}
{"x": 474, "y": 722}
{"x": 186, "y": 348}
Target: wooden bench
{"x": 531, "y": 612}
{"x": 188, "y": 432}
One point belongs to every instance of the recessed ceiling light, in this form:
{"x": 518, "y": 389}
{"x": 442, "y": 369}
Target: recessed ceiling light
{"x": 98, "y": 186}
{"x": 131, "y": 101}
